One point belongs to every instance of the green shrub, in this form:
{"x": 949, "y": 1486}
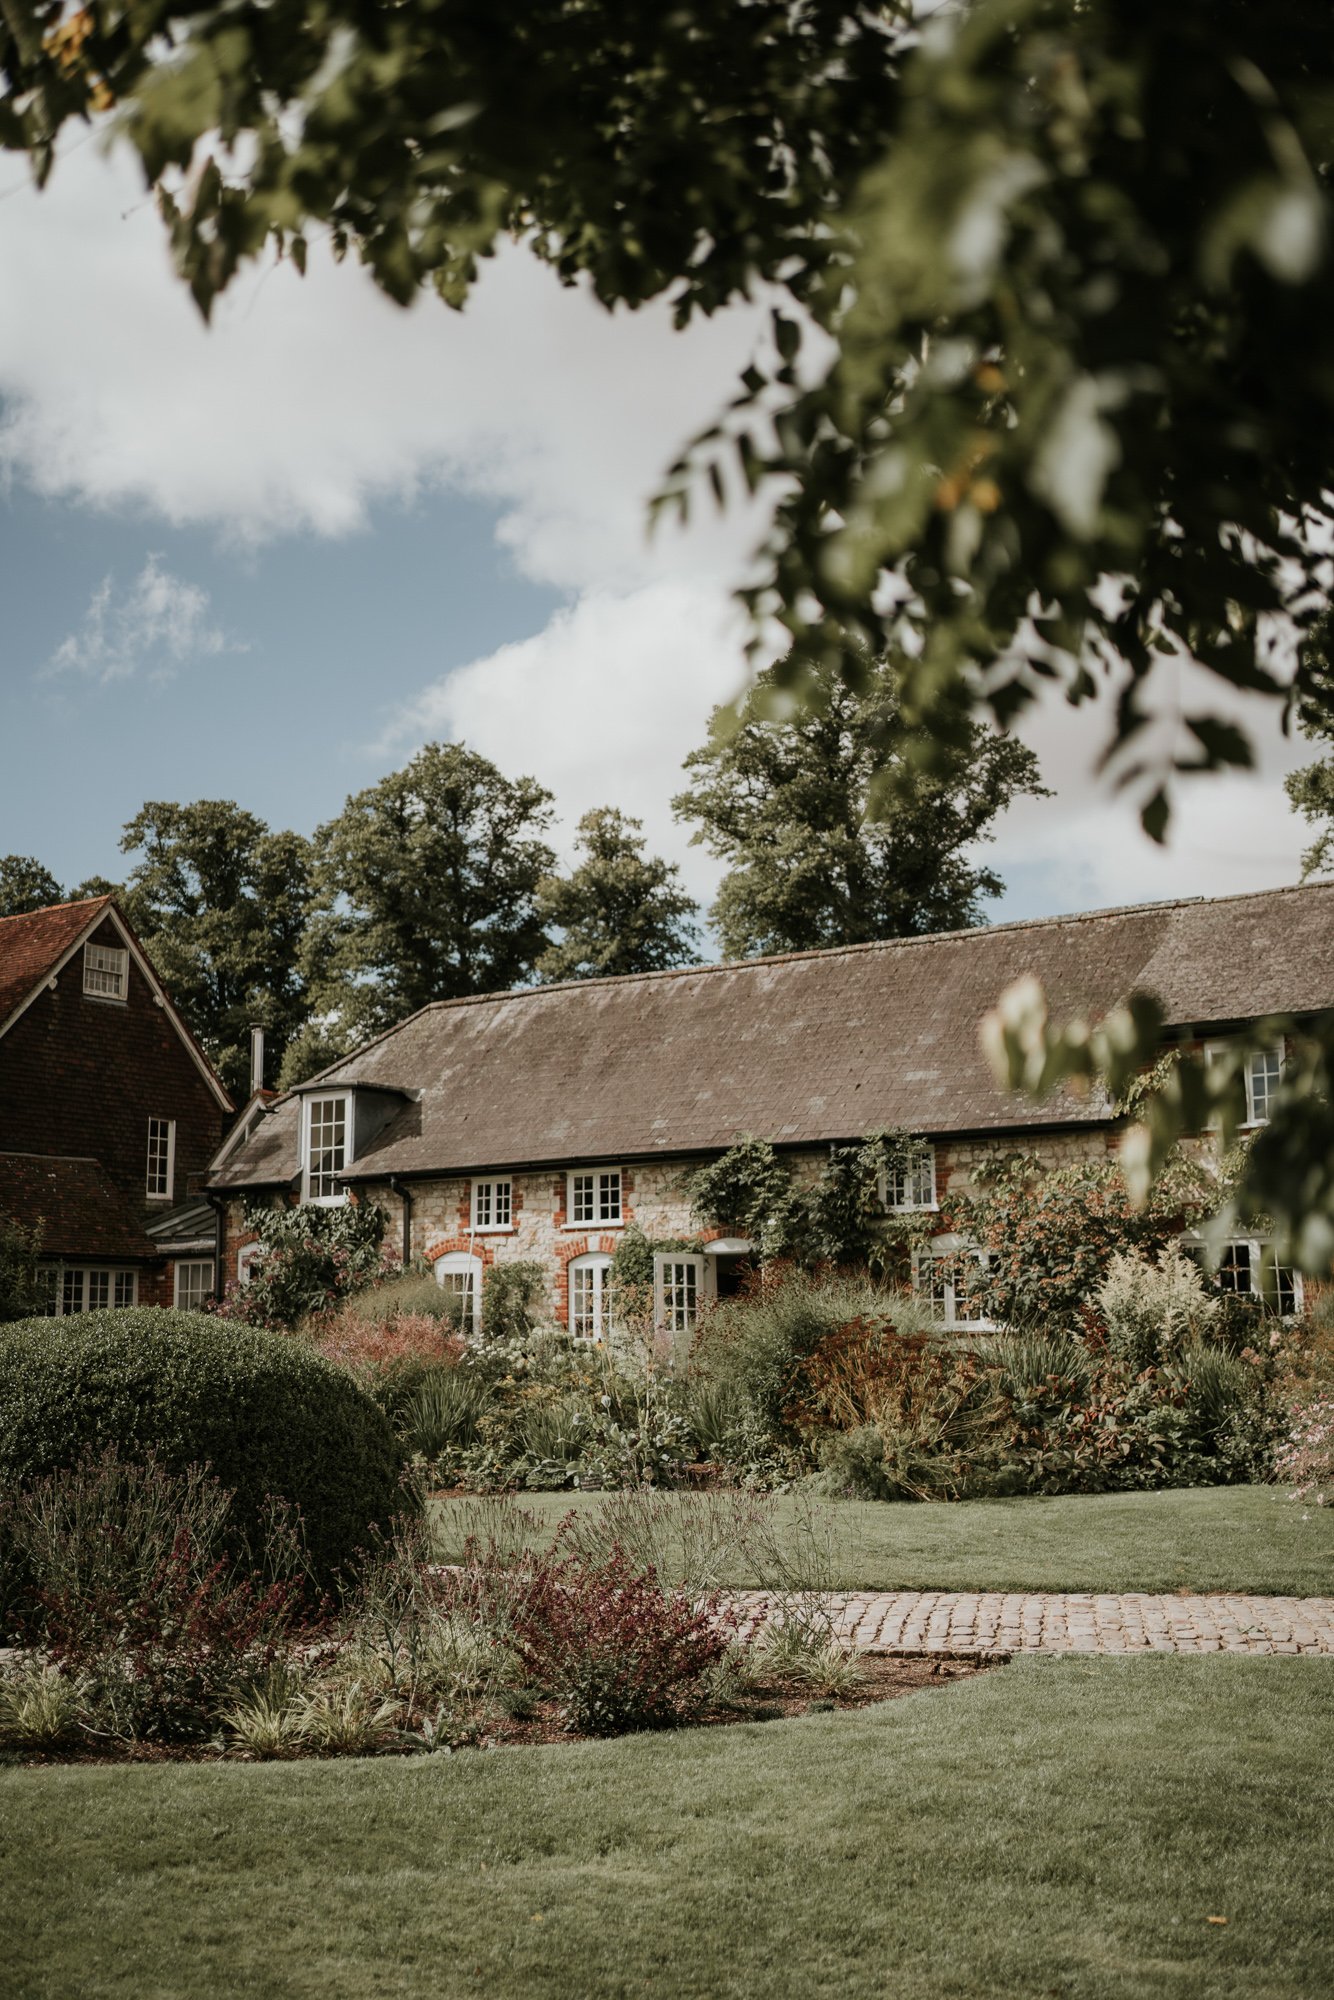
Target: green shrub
{"x": 1050, "y": 1233}
{"x": 312, "y": 1257}
{"x": 513, "y": 1296}
{"x": 1152, "y": 1311}
{"x": 751, "y": 1347}
{"x": 441, "y": 1411}
{"x": 19, "y": 1250}
{"x": 408, "y": 1295}
{"x": 263, "y": 1413}
{"x": 1039, "y": 1367}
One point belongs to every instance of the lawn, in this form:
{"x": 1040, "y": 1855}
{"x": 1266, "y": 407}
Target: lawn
{"x": 1244, "y": 1538}
{"x": 1059, "y": 1827}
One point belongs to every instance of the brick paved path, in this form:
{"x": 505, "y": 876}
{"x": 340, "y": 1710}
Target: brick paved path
{"x": 956, "y": 1621}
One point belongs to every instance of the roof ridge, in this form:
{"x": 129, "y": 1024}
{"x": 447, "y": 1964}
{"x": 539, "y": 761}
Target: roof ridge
{"x": 48, "y": 909}
{"x": 845, "y": 950}
{"x": 331, "y": 1072}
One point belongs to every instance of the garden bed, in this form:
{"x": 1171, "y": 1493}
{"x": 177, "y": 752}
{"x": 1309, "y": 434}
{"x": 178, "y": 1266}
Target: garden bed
{"x": 882, "y": 1677}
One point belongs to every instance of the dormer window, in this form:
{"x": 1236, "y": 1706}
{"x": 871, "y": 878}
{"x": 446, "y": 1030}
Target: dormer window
{"x": 105, "y": 971}
{"x": 327, "y": 1148}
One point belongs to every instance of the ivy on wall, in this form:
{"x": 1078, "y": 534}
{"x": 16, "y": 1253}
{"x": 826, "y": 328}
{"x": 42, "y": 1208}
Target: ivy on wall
{"x": 839, "y": 1217}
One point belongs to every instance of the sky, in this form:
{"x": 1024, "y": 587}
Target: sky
{"x": 269, "y": 559}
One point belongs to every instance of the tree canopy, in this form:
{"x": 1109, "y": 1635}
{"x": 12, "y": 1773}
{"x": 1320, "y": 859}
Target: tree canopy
{"x": 619, "y": 910}
{"x": 1311, "y": 790}
{"x": 832, "y": 831}
{"x": 221, "y": 903}
{"x": 427, "y": 886}
{"x": 1073, "y": 259}
{"x": 25, "y": 885}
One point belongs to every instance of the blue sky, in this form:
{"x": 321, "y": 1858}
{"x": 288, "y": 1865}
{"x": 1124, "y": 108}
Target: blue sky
{"x": 318, "y": 638}
{"x": 268, "y": 560}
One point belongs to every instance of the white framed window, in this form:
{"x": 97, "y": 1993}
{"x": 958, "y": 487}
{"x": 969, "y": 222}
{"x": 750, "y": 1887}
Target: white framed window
{"x": 912, "y": 1183}
{"x": 948, "y": 1275}
{"x": 245, "y": 1257}
{"x": 1263, "y": 1075}
{"x": 493, "y": 1204}
{"x": 1245, "y": 1270}
{"x": 76, "y": 1288}
{"x": 461, "y": 1275}
{"x": 105, "y": 971}
{"x": 327, "y": 1148}
{"x": 593, "y": 1197}
{"x": 590, "y": 1293}
{"x": 679, "y": 1282}
{"x": 192, "y": 1283}
{"x": 161, "y": 1158}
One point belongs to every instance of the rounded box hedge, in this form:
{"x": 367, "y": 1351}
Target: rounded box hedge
{"x": 264, "y": 1413}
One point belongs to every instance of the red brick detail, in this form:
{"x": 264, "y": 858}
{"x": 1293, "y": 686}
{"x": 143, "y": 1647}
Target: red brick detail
{"x": 712, "y": 1235}
{"x": 469, "y": 1246}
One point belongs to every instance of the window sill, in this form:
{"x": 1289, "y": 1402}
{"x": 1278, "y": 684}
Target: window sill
{"x": 913, "y": 1208}
{"x": 582, "y": 1228}
{"x": 493, "y": 1229}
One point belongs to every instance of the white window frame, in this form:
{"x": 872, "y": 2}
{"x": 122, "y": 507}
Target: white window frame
{"x": 245, "y": 1257}
{"x": 922, "y": 1167}
{"x": 106, "y": 962}
{"x": 308, "y": 1108}
{"x": 119, "y": 1280}
{"x": 489, "y": 1197}
{"x": 1256, "y": 1248}
{"x": 1253, "y": 1117}
{"x": 191, "y": 1264}
{"x": 460, "y": 1263}
{"x": 596, "y": 1266}
{"x": 939, "y": 1251}
{"x": 154, "y": 1193}
{"x": 671, "y": 1316}
{"x": 600, "y": 1216}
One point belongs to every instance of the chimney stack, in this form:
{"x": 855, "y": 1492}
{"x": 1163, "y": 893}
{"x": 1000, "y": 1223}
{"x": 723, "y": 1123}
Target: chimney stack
{"x": 256, "y": 1059}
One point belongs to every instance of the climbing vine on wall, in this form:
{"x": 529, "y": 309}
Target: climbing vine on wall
{"x": 837, "y": 1218}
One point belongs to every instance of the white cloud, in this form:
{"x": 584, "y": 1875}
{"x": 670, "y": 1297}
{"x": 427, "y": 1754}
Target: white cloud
{"x": 310, "y": 399}
{"x": 602, "y": 707}
{"x": 160, "y": 623}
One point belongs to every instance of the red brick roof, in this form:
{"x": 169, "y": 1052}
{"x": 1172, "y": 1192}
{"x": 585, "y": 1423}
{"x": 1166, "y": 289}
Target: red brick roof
{"x": 32, "y": 944}
{"x": 799, "y": 1049}
{"x": 82, "y": 1213}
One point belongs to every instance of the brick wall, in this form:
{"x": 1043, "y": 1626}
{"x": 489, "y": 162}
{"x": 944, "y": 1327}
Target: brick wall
{"x": 83, "y": 1076}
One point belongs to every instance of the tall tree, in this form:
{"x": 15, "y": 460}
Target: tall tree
{"x": 428, "y": 886}
{"x": 221, "y": 903}
{"x": 831, "y": 832}
{"x": 1311, "y": 790}
{"x": 26, "y": 885}
{"x": 1036, "y": 243}
{"x": 620, "y": 910}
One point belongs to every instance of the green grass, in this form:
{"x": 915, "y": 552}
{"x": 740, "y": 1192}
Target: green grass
{"x": 1059, "y": 1828}
{"x": 1246, "y": 1538}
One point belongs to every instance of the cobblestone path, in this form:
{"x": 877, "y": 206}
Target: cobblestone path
{"x": 962, "y": 1622}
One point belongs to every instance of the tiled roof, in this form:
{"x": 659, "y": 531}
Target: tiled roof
{"x": 82, "y": 1213}
{"x": 32, "y": 944}
{"x": 803, "y": 1048}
